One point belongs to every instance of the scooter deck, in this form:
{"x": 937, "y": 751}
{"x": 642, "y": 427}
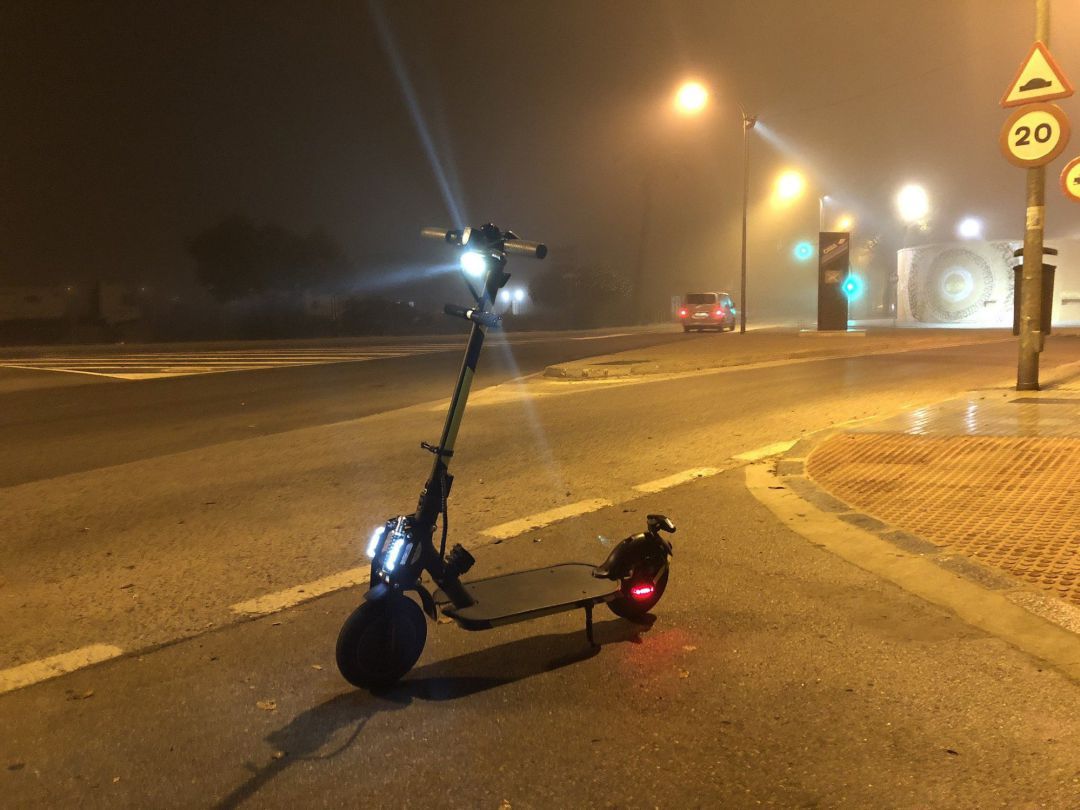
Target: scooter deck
{"x": 526, "y": 595}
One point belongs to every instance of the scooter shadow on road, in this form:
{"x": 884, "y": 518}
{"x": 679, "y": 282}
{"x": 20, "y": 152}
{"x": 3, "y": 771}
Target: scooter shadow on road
{"x": 308, "y": 733}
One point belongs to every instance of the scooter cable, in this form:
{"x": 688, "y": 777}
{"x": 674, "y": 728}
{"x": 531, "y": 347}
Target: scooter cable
{"x": 445, "y": 515}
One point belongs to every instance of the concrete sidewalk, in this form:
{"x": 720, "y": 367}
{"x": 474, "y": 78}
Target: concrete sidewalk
{"x": 989, "y": 481}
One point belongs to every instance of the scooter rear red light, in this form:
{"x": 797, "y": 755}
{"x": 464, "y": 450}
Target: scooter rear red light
{"x": 642, "y": 591}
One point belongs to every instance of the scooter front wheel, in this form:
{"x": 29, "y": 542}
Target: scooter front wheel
{"x": 633, "y": 606}
{"x": 381, "y": 641}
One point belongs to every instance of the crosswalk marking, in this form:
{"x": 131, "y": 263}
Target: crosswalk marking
{"x": 157, "y": 365}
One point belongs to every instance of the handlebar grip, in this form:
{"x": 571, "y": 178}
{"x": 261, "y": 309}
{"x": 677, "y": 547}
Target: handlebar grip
{"x": 537, "y": 250}
{"x": 489, "y": 319}
{"x": 456, "y": 236}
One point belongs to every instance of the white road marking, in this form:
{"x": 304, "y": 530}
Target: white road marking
{"x": 273, "y": 602}
{"x": 603, "y": 337}
{"x": 661, "y": 484}
{"x": 515, "y": 527}
{"x": 774, "y": 449}
{"x": 157, "y": 365}
{"x": 37, "y": 671}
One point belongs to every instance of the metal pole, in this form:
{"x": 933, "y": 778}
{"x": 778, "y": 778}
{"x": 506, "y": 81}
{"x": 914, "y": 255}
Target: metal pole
{"x": 639, "y": 275}
{"x": 1031, "y": 335}
{"x": 747, "y": 124}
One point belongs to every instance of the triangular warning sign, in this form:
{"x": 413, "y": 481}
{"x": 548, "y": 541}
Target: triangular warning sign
{"x": 1039, "y": 79}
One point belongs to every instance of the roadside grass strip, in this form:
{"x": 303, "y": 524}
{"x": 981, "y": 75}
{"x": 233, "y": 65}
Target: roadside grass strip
{"x": 280, "y": 600}
{"x": 56, "y": 665}
{"x": 660, "y": 484}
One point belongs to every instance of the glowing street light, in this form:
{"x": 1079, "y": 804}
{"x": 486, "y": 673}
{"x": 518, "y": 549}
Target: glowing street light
{"x": 913, "y": 203}
{"x": 691, "y": 98}
{"x": 845, "y": 223}
{"x": 789, "y": 185}
{"x": 969, "y": 228}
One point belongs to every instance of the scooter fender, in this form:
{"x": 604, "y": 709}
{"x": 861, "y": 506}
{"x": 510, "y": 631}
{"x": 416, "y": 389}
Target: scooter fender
{"x": 383, "y": 591}
{"x": 632, "y": 552}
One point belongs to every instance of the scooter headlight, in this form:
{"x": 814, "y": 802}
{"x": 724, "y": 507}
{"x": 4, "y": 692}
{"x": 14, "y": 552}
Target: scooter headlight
{"x": 391, "y": 544}
{"x": 373, "y": 543}
{"x": 474, "y": 263}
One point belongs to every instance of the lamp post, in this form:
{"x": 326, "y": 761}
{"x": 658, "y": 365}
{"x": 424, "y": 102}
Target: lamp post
{"x": 748, "y": 122}
{"x": 691, "y": 99}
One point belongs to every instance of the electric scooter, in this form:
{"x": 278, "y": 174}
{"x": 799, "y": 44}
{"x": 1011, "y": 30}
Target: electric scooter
{"x": 383, "y": 638}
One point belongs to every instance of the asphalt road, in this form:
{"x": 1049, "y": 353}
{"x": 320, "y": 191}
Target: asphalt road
{"x": 775, "y": 673}
{"x": 47, "y": 428}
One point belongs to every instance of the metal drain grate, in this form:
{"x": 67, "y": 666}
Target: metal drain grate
{"x": 1010, "y": 501}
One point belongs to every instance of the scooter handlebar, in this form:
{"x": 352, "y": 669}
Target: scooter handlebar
{"x": 433, "y": 233}
{"x": 461, "y": 236}
{"x": 537, "y": 250}
{"x": 458, "y": 236}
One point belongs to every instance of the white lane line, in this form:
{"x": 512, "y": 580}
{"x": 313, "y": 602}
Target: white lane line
{"x": 46, "y": 668}
{"x": 515, "y": 527}
{"x": 603, "y": 337}
{"x": 661, "y": 484}
{"x": 774, "y": 449}
{"x": 273, "y": 602}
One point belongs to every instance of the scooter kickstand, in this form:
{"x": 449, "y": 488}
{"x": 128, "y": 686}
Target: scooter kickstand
{"x": 588, "y": 625}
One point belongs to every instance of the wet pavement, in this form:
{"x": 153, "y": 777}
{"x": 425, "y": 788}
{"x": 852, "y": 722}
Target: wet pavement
{"x": 993, "y": 476}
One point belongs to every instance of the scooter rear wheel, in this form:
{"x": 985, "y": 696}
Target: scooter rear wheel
{"x": 381, "y": 641}
{"x": 632, "y": 608}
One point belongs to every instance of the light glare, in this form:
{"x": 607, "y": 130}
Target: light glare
{"x": 789, "y": 185}
{"x": 913, "y": 203}
{"x": 969, "y": 228}
{"x": 373, "y": 543}
{"x": 691, "y": 98}
{"x": 473, "y": 263}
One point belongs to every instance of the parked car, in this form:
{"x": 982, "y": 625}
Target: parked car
{"x": 711, "y": 310}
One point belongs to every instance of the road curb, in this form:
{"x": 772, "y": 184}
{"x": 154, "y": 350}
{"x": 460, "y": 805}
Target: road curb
{"x": 982, "y": 595}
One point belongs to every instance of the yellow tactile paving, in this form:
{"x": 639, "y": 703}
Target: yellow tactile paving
{"x": 1011, "y": 501}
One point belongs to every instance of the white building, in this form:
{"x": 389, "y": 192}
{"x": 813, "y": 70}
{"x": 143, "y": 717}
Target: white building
{"x": 971, "y": 284}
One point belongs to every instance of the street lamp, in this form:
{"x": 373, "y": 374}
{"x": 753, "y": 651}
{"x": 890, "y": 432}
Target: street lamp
{"x": 913, "y": 203}
{"x": 691, "y": 99}
{"x": 790, "y": 185}
{"x": 845, "y": 223}
{"x": 969, "y": 228}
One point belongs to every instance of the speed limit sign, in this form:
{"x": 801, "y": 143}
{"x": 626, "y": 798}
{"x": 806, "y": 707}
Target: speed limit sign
{"x": 1034, "y": 135}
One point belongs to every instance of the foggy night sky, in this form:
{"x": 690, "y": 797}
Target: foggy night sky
{"x": 130, "y": 126}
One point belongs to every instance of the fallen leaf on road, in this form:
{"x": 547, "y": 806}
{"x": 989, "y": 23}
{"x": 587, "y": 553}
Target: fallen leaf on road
{"x": 683, "y": 673}
{"x": 89, "y": 693}
{"x": 689, "y": 647}
{"x": 444, "y": 619}
{"x": 115, "y": 779}
{"x": 267, "y": 705}
{"x": 279, "y": 755}
{"x": 317, "y": 666}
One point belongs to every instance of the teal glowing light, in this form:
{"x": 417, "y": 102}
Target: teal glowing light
{"x": 853, "y": 287}
{"x": 803, "y": 251}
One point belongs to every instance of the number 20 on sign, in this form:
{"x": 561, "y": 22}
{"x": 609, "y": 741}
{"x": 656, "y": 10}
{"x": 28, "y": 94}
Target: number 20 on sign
{"x": 1034, "y": 135}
